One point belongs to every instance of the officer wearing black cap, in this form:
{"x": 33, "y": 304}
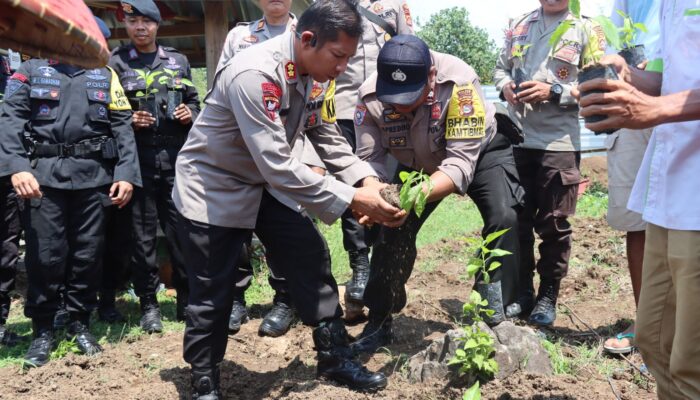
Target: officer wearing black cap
{"x": 157, "y": 81}
{"x": 69, "y": 149}
{"x": 427, "y": 109}
{"x": 9, "y": 233}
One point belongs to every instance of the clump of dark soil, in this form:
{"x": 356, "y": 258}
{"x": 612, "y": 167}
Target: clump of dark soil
{"x": 390, "y": 194}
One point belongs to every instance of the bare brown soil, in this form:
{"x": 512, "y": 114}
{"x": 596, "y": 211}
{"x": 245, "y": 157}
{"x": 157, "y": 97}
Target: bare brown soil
{"x": 390, "y": 194}
{"x": 597, "y": 291}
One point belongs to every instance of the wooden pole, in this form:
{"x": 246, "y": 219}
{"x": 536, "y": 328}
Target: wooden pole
{"x": 215, "y": 30}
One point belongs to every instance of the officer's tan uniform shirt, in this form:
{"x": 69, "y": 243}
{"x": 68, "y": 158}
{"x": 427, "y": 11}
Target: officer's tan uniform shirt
{"x": 446, "y": 134}
{"x": 548, "y": 126}
{"x": 239, "y": 145}
{"x": 397, "y": 14}
{"x": 247, "y": 34}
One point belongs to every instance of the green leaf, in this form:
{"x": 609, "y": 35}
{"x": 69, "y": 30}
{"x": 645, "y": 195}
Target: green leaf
{"x": 495, "y": 235}
{"x": 186, "y": 82}
{"x": 420, "y": 203}
{"x": 469, "y": 344}
{"x": 640, "y": 26}
{"x": 575, "y": 8}
{"x": 494, "y": 265}
{"x": 140, "y": 94}
{"x": 474, "y": 297}
{"x": 558, "y": 33}
{"x": 472, "y": 269}
{"x": 500, "y": 253}
{"x": 473, "y": 393}
{"x": 403, "y": 175}
{"x": 460, "y": 353}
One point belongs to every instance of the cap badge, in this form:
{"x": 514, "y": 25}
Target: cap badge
{"x": 127, "y": 8}
{"x": 398, "y": 76}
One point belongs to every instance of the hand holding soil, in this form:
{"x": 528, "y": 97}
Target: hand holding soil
{"x": 372, "y": 207}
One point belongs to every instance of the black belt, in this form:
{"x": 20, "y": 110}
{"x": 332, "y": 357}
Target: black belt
{"x": 104, "y": 147}
{"x": 160, "y": 140}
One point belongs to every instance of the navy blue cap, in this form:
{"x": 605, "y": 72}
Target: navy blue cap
{"x": 103, "y": 28}
{"x": 146, "y": 8}
{"x": 403, "y": 67}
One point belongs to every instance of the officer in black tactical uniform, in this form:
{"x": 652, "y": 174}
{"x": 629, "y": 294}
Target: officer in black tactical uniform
{"x": 157, "y": 82}
{"x": 70, "y": 151}
{"x": 9, "y": 233}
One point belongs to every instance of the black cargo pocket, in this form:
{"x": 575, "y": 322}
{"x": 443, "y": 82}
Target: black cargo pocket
{"x": 512, "y": 182}
{"x": 567, "y": 193}
{"x": 98, "y": 112}
{"x": 45, "y": 101}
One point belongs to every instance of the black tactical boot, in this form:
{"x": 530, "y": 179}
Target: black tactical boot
{"x": 376, "y": 334}
{"x": 150, "y": 320}
{"x": 181, "y": 305}
{"x": 205, "y": 385}
{"x": 492, "y": 293}
{"x": 355, "y": 288}
{"x": 86, "y": 342}
{"x": 526, "y": 297}
{"x": 359, "y": 262}
{"x": 107, "y": 310}
{"x": 7, "y": 337}
{"x": 61, "y": 319}
{"x": 335, "y": 360}
{"x": 239, "y": 316}
{"x": 277, "y": 321}
{"x": 545, "y": 311}
{"x": 40, "y": 349}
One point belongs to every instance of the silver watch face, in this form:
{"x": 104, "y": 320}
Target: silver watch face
{"x": 557, "y": 89}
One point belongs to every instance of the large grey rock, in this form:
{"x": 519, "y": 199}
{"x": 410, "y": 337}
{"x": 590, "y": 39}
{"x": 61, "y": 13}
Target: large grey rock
{"x": 517, "y": 348}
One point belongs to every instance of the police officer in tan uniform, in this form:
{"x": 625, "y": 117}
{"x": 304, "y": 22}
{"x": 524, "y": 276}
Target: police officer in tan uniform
{"x": 427, "y": 110}
{"x": 236, "y": 175}
{"x": 382, "y": 19}
{"x": 276, "y": 20}
{"x": 548, "y": 160}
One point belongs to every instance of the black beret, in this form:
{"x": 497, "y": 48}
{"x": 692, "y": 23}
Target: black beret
{"x": 146, "y": 8}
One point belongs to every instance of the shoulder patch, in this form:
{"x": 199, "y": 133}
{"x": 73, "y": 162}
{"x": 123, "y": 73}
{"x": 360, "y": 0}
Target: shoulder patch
{"x": 328, "y": 110}
{"x": 119, "y": 100}
{"x": 466, "y": 115}
{"x": 271, "y": 98}
{"x": 360, "y": 114}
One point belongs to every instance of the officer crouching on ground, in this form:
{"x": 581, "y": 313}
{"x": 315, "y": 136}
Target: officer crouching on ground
{"x": 70, "y": 149}
{"x": 427, "y": 109}
{"x": 160, "y": 133}
{"x": 236, "y": 175}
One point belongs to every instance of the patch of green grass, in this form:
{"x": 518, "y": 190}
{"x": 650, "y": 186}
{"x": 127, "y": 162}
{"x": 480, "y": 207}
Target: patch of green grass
{"x": 104, "y": 332}
{"x": 561, "y": 365}
{"x": 593, "y": 203}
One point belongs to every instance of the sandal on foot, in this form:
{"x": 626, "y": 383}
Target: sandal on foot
{"x": 621, "y": 350}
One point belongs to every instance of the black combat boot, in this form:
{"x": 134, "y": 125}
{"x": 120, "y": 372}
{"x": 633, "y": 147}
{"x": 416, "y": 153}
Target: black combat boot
{"x": 43, "y": 343}
{"x": 278, "y": 320}
{"x": 376, "y": 334}
{"x": 107, "y": 310}
{"x": 86, "y": 342}
{"x": 355, "y": 288}
{"x": 526, "y": 297}
{"x": 150, "y": 319}
{"x": 205, "y": 384}
{"x": 336, "y": 363}
{"x": 545, "y": 311}
{"x": 492, "y": 293}
{"x": 239, "y": 316}
{"x": 7, "y": 337}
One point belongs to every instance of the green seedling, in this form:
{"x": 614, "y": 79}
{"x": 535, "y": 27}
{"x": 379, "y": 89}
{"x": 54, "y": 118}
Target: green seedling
{"x": 519, "y": 51}
{"x": 171, "y": 77}
{"x": 149, "y": 78}
{"x": 415, "y": 191}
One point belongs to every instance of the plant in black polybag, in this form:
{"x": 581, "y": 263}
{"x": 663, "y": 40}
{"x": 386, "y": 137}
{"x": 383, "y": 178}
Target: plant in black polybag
{"x": 146, "y": 97}
{"x": 175, "y": 84}
{"x": 519, "y": 74}
{"x": 623, "y": 38}
{"x": 592, "y": 68}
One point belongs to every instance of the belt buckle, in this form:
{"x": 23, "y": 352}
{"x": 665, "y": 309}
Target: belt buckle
{"x": 61, "y": 151}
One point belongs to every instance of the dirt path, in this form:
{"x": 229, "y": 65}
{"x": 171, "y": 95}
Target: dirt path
{"x": 597, "y": 290}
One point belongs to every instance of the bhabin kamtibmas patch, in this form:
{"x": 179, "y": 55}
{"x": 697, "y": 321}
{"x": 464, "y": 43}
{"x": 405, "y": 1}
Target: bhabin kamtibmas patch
{"x": 466, "y": 115}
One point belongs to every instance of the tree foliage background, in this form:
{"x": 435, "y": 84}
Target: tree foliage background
{"x": 450, "y": 31}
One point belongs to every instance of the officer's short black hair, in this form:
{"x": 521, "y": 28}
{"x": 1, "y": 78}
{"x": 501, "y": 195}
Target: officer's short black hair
{"x": 326, "y": 18}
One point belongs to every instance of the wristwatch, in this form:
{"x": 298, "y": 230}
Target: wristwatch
{"x": 555, "y": 92}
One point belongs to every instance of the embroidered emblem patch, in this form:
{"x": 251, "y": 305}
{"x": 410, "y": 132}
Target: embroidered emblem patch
{"x": 360, "y": 113}
{"x": 271, "y": 99}
{"x": 290, "y": 71}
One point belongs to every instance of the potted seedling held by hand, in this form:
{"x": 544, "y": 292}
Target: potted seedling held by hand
{"x": 592, "y": 68}
{"x": 146, "y": 97}
{"x": 623, "y": 38}
{"x": 412, "y": 194}
{"x": 175, "y": 84}
{"x": 519, "y": 74}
